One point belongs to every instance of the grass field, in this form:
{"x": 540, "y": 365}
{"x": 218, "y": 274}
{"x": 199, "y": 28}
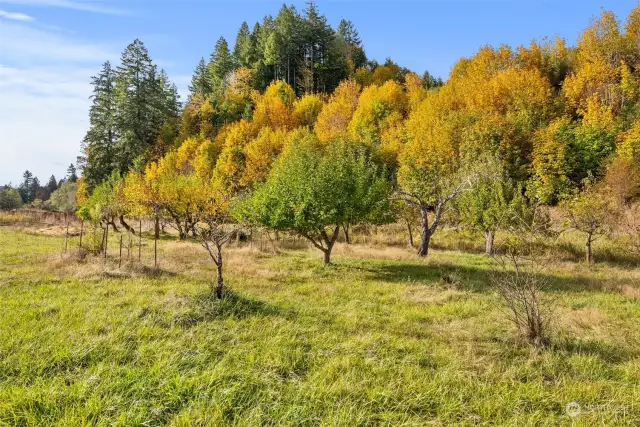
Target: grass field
{"x": 379, "y": 338}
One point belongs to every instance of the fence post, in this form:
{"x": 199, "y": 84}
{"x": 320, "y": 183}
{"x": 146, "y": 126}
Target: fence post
{"x": 140, "y": 240}
{"x": 120, "y": 260}
{"x": 81, "y": 230}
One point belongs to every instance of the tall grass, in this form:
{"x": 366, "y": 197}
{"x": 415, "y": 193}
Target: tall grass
{"x": 380, "y": 338}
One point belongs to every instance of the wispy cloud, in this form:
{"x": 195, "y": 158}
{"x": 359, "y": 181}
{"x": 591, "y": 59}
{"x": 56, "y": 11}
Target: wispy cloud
{"x": 15, "y": 16}
{"x": 43, "y": 117}
{"x": 27, "y": 45}
{"x": 44, "y": 97}
{"x": 81, "y": 5}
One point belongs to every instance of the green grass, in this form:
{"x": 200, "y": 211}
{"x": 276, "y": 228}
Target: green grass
{"x": 377, "y": 339}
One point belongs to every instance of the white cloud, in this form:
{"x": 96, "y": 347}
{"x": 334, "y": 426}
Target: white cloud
{"x": 15, "y": 16}
{"x": 43, "y": 118}
{"x": 24, "y": 44}
{"x": 81, "y": 5}
{"x": 44, "y": 98}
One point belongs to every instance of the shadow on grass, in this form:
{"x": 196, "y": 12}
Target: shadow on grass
{"x": 205, "y": 307}
{"x": 608, "y": 353}
{"x": 467, "y": 278}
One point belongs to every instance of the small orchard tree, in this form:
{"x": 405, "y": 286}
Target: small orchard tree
{"x": 10, "y": 199}
{"x": 314, "y": 191}
{"x": 593, "y": 213}
{"x": 215, "y": 225}
{"x": 104, "y": 205}
{"x": 494, "y": 202}
{"x": 64, "y": 200}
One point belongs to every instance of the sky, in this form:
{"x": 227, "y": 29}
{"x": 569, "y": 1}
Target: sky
{"x": 49, "y": 49}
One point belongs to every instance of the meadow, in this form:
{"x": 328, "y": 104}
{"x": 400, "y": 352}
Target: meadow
{"x": 381, "y": 337}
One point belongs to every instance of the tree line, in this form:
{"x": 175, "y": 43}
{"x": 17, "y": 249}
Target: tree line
{"x": 31, "y": 193}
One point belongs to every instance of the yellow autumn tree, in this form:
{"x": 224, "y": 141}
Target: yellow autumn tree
{"x": 260, "y": 154}
{"x": 334, "y": 118}
{"x": 230, "y": 166}
{"x": 306, "y": 110}
{"x": 274, "y": 108}
{"x": 378, "y": 108}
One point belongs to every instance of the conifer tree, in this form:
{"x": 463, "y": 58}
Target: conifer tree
{"x": 199, "y": 82}
{"x": 242, "y": 49}
{"x": 98, "y": 145}
{"x": 219, "y": 67}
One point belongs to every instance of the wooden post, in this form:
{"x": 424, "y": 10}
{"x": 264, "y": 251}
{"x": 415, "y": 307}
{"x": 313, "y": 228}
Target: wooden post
{"x": 155, "y": 247}
{"x": 66, "y": 234}
{"x": 106, "y": 241}
{"x": 81, "y": 230}
{"x": 120, "y": 259}
{"x": 140, "y": 241}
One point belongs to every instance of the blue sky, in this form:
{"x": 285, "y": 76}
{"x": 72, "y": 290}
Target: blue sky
{"x": 50, "y": 48}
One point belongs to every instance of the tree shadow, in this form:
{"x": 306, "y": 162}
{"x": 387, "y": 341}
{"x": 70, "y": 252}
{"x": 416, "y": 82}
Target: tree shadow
{"x": 468, "y": 278}
{"x": 205, "y": 307}
{"x": 472, "y": 279}
{"x": 608, "y": 353}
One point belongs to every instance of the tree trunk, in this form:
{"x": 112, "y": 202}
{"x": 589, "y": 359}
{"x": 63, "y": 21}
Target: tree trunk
{"x": 589, "y": 252}
{"x": 220, "y": 281}
{"x": 125, "y": 225}
{"x": 425, "y": 235}
{"x": 410, "y": 234}
{"x": 327, "y": 256}
{"x": 489, "y": 237}
{"x": 346, "y": 234}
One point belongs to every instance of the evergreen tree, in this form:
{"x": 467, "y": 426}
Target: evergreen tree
{"x": 51, "y": 186}
{"x": 324, "y": 63}
{"x": 71, "y": 173}
{"x": 26, "y": 187}
{"x": 199, "y": 82}
{"x": 352, "y": 45}
{"x": 141, "y": 105}
{"x": 98, "y": 146}
{"x": 35, "y": 191}
{"x": 220, "y": 66}
{"x": 242, "y": 49}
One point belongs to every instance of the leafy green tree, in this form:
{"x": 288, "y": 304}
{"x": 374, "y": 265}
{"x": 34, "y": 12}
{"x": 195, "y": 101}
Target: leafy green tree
{"x": 494, "y": 202}
{"x": 314, "y": 193}
{"x": 10, "y": 199}
{"x": 64, "y": 198}
{"x": 594, "y": 213}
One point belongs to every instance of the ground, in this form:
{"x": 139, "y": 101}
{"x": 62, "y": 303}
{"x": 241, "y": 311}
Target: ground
{"x": 379, "y": 338}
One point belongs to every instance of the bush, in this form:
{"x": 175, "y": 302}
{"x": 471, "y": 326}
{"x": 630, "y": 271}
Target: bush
{"x": 10, "y": 199}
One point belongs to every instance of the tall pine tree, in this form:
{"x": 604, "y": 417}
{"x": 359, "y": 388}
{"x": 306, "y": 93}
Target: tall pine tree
{"x": 141, "y": 105}
{"x": 98, "y": 146}
{"x": 219, "y": 67}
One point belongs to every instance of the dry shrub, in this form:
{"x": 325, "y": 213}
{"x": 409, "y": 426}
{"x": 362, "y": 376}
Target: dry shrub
{"x": 520, "y": 279}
